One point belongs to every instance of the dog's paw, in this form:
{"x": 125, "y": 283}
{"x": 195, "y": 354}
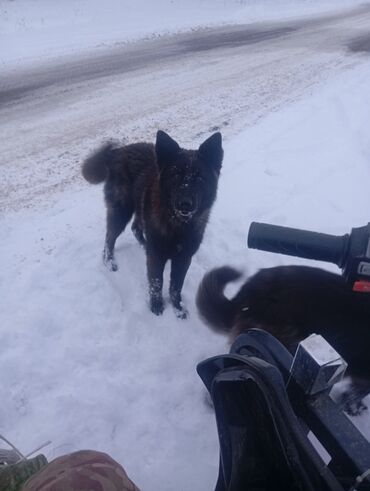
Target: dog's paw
{"x": 351, "y": 404}
{"x": 176, "y": 300}
{"x": 181, "y": 313}
{"x": 111, "y": 264}
{"x": 156, "y": 306}
{"x": 355, "y": 408}
{"x": 109, "y": 261}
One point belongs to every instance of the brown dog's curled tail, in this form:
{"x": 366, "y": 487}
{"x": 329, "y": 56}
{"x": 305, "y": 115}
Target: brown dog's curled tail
{"x": 216, "y": 309}
{"x": 95, "y": 167}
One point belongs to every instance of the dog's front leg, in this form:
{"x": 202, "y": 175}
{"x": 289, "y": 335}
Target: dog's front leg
{"x": 155, "y": 267}
{"x": 179, "y": 267}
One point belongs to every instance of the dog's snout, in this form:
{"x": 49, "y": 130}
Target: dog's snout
{"x": 185, "y": 204}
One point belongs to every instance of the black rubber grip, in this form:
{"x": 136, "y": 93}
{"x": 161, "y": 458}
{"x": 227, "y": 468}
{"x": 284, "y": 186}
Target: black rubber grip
{"x": 300, "y": 243}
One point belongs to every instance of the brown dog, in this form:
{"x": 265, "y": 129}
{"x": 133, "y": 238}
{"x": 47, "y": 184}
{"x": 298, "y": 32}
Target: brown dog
{"x": 170, "y": 192}
{"x": 292, "y": 302}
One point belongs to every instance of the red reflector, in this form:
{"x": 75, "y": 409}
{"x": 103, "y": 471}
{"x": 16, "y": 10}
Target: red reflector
{"x": 361, "y": 286}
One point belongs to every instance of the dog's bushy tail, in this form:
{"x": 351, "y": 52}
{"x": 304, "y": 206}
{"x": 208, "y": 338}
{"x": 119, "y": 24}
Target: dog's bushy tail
{"x": 95, "y": 167}
{"x": 216, "y": 309}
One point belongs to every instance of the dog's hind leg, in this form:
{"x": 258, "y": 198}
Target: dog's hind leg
{"x": 117, "y": 219}
{"x": 137, "y": 230}
{"x": 179, "y": 267}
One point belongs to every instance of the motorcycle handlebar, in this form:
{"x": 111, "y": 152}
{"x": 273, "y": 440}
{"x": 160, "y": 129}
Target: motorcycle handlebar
{"x": 300, "y": 243}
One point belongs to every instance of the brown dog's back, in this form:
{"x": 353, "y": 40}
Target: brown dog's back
{"x": 120, "y": 164}
{"x": 292, "y": 302}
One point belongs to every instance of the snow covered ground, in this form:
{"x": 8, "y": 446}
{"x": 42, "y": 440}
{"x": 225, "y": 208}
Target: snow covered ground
{"x": 31, "y": 30}
{"x": 83, "y": 361}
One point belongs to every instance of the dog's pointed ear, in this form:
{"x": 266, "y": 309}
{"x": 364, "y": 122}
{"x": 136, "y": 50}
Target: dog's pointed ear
{"x": 166, "y": 148}
{"x": 211, "y": 150}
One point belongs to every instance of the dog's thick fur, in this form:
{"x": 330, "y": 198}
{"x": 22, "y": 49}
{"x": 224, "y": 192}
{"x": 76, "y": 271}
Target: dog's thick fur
{"x": 170, "y": 192}
{"x": 292, "y": 302}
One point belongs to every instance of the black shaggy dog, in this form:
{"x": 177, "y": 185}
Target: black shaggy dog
{"x": 170, "y": 192}
{"x": 292, "y": 302}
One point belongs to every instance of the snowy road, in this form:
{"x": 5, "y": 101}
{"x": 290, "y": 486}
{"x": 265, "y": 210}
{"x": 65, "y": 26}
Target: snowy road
{"x": 188, "y": 85}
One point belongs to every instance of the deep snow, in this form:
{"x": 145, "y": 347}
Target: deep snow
{"x": 83, "y": 361}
